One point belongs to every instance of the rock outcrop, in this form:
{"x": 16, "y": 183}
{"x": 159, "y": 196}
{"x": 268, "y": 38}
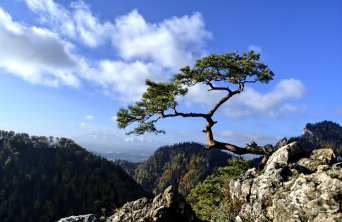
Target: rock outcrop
{"x": 165, "y": 207}
{"x": 295, "y": 186}
{"x": 81, "y": 218}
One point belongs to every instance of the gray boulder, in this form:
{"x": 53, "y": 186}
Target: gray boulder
{"x": 295, "y": 186}
{"x": 165, "y": 207}
{"x": 81, "y": 218}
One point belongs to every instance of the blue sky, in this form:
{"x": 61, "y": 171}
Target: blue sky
{"x": 66, "y": 67}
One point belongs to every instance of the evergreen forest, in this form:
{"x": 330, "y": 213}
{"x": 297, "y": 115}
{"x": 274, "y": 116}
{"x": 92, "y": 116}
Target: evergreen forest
{"x": 47, "y": 178}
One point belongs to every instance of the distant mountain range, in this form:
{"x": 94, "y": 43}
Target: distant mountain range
{"x": 111, "y": 142}
{"x": 114, "y": 147}
{"x": 46, "y": 178}
{"x": 135, "y": 156}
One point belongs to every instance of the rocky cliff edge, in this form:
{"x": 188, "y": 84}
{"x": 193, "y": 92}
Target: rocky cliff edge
{"x": 294, "y": 186}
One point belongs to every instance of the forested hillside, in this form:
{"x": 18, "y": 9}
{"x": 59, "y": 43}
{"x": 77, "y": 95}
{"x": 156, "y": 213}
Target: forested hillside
{"x": 322, "y": 134}
{"x": 211, "y": 199}
{"x": 46, "y": 178}
{"x": 181, "y": 165}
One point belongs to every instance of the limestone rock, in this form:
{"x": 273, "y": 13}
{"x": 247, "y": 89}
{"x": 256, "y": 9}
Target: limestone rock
{"x": 81, "y": 218}
{"x": 295, "y": 186}
{"x": 318, "y": 157}
{"x": 165, "y": 207}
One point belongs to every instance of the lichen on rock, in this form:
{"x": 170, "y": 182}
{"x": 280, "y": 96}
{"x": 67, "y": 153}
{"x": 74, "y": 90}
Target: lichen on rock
{"x": 80, "y": 218}
{"x": 295, "y": 186}
{"x": 165, "y": 207}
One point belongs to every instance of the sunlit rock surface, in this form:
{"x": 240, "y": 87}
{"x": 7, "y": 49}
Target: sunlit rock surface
{"x": 165, "y": 207}
{"x": 80, "y": 218}
{"x": 294, "y": 186}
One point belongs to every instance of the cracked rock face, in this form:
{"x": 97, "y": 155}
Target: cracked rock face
{"x": 295, "y": 186}
{"x": 165, "y": 207}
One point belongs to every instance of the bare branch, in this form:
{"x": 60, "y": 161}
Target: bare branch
{"x": 186, "y": 115}
{"x": 212, "y": 87}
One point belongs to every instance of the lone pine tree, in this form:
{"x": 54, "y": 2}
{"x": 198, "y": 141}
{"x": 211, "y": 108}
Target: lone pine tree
{"x": 219, "y": 72}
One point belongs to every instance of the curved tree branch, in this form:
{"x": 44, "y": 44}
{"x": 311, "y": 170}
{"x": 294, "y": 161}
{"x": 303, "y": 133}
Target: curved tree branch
{"x": 212, "y": 87}
{"x": 251, "y": 147}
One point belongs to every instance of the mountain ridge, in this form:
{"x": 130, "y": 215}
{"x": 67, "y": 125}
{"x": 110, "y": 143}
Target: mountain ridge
{"x": 181, "y": 165}
{"x": 321, "y": 134}
{"x": 46, "y": 178}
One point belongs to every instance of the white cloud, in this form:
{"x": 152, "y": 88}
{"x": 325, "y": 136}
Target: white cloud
{"x": 143, "y": 50}
{"x": 53, "y": 14}
{"x": 35, "y": 54}
{"x": 172, "y": 43}
{"x": 272, "y": 104}
{"x": 89, "y": 117}
{"x": 88, "y": 27}
{"x": 78, "y": 22}
{"x": 289, "y": 88}
{"x": 250, "y": 102}
{"x": 199, "y": 94}
{"x": 134, "y": 139}
{"x": 125, "y": 81}
{"x": 83, "y": 124}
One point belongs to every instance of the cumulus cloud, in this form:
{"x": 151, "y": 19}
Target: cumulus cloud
{"x": 123, "y": 80}
{"x": 53, "y": 14}
{"x": 35, "y": 54}
{"x": 251, "y": 102}
{"x": 272, "y": 104}
{"x": 78, "y": 22}
{"x": 172, "y": 43}
{"x": 142, "y": 50}
{"x": 90, "y": 30}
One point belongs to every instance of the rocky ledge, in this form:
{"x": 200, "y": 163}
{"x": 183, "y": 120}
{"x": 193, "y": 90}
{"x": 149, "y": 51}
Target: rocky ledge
{"x": 165, "y": 207}
{"x": 295, "y": 186}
